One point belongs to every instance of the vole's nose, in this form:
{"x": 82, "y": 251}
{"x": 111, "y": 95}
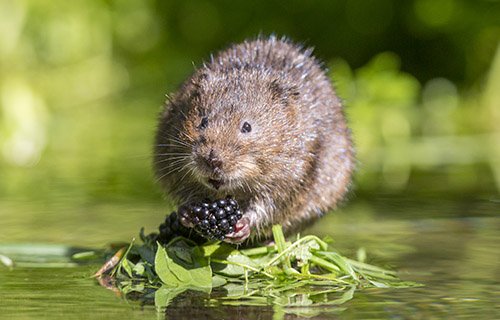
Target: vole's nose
{"x": 213, "y": 161}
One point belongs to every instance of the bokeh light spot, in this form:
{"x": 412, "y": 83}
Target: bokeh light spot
{"x": 435, "y": 13}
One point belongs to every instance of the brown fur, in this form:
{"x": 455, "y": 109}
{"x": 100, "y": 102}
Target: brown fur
{"x": 293, "y": 166}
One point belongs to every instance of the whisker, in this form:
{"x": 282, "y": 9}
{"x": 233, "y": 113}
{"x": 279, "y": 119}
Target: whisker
{"x": 172, "y": 161}
{"x": 163, "y": 159}
{"x": 179, "y": 142}
{"x": 174, "y": 154}
{"x": 167, "y": 145}
{"x": 184, "y": 176}
{"x": 171, "y": 164}
{"x": 166, "y": 135}
{"x": 176, "y": 168}
{"x": 158, "y": 179}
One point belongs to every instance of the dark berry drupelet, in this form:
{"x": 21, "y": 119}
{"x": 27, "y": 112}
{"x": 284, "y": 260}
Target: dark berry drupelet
{"x": 214, "y": 219}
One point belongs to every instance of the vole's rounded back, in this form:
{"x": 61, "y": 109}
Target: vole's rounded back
{"x": 262, "y": 122}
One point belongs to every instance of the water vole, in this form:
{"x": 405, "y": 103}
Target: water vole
{"x": 260, "y": 121}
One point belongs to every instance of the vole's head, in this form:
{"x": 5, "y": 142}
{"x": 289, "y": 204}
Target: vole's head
{"x": 237, "y": 129}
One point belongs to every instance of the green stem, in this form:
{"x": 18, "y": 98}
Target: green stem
{"x": 279, "y": 237}
{"x": 323, "y": 263}
{"x": 258, "y": 250}
{"x": 293, "y": 245}
{"x": 281, "y": 244}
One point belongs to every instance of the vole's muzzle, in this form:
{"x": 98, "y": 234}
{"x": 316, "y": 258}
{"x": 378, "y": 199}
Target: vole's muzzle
{"x": 211, "y": 163}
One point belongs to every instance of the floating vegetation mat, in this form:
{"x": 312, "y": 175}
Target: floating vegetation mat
{"x": 296, "y": 273}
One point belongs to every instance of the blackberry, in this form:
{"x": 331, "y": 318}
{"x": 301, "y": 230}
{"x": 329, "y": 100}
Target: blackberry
{"x": 216, "y": 218}
{"x": 211, "y": 219}
{"x": 172, "y": 227}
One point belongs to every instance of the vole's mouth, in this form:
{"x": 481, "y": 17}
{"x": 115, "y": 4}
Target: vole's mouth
{"x": 216, "y": 184}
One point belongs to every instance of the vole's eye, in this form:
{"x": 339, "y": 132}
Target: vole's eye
{"x": 246, "y": 128}
{"x": 203, "y": 123}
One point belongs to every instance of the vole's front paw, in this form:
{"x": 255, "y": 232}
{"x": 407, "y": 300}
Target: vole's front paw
{"x": 241, "y": 232}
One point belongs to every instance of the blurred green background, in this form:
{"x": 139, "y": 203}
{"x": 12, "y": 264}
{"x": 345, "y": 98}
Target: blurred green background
{"x": 81, "y": 83}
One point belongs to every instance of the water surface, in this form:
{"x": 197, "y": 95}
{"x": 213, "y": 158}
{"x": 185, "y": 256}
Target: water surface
{"x": 450, "y": 246}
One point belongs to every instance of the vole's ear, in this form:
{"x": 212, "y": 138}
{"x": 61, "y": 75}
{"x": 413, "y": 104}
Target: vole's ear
{"x": 283, "y": 92}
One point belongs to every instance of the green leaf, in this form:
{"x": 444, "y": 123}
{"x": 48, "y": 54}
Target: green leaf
{"x": 303, "y": 251}
{"x": 139, "y": 269}
{"x": 210, "y": 248}
{"x": 147, "y": 254}
{"x": 165, "y": 295}
{"x": 182, "y": 251}
{"x": 346, "y": 296}
{"x": 218, "y": 281}
{"x": 166, "y": 275}
{"x": 126, "y": 265}
{"x": 235, "y": 290}
{"x": 295, "y": 300}
{"x": 176, "y": 272}
{"x": 236, "y": 264}
{"x": 201, "y": 273}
